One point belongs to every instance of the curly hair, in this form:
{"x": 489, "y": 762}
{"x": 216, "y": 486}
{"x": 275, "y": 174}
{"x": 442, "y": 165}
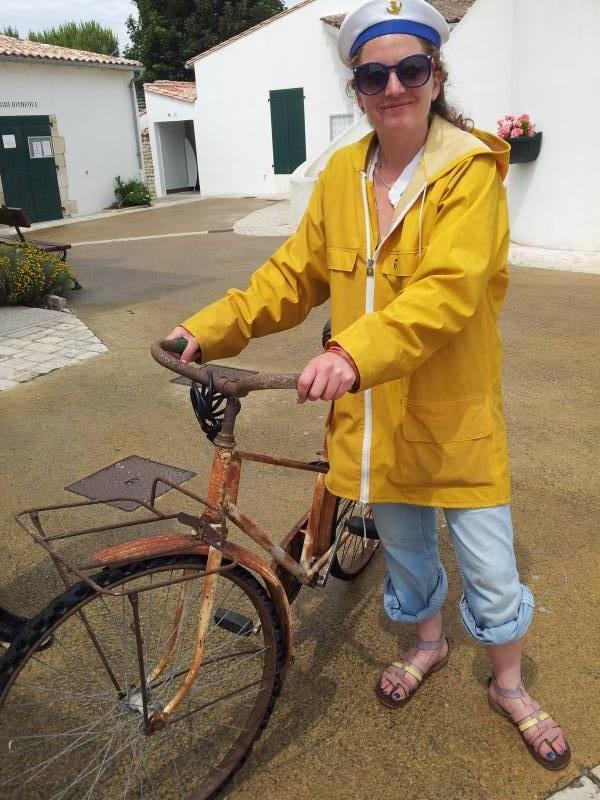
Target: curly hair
{"x": 440, "y": 105}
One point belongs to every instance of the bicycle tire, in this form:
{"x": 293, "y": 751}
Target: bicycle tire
{"x": 355, "y": 554}
{"x": 27, "y": 709}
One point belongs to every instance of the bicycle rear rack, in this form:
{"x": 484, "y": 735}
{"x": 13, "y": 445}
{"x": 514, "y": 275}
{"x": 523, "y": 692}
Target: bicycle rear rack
{"x": 211, "y": 530}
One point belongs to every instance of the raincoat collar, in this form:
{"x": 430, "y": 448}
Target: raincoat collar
{"x": 445, "y": 147}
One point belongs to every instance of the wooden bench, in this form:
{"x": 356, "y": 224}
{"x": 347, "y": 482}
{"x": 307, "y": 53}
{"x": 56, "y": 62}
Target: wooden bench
{"x": 17, "y": 219}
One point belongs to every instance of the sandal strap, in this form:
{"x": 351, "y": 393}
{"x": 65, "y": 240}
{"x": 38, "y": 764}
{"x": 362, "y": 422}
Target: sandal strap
{"x": 544, "y": 736}
{"x": 510, "y": 694}
{"x": 422, "y": 644}
{"x": 532, "y": 720}
{"x": 406, "y": 666}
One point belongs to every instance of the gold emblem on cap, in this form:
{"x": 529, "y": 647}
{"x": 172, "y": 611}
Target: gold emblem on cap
{"x": 394, "y": 7}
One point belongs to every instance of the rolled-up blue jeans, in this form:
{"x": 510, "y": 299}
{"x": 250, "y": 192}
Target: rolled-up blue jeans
{"x": 495, "y": 607}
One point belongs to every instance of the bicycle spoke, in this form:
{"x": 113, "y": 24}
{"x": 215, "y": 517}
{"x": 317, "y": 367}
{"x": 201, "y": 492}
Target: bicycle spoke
{"x": 67, "y": 734}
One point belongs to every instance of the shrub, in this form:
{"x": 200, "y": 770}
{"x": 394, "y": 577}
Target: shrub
{"x": 27, "y": 274}
{"x": 131, "y": 193}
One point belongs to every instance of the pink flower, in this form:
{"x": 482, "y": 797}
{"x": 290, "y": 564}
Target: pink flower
{"x": 513, "y": 127}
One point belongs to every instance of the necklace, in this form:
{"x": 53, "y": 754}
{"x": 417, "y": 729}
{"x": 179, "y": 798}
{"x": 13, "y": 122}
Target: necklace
{"x": 380, "y": 176}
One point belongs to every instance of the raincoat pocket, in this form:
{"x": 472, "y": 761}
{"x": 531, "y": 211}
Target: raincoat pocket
{"x": 448, "y": 442}
{"x": 341, "y": 259}
{"x": 395, "y": 267}
{"x": 400, "y": 263}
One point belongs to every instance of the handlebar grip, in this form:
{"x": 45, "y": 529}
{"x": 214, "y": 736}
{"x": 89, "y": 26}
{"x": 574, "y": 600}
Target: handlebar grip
{"x": 174, "y": 345}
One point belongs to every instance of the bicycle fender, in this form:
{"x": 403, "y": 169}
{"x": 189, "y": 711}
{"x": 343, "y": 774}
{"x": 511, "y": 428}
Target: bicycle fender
{"x": 178, "y": 544}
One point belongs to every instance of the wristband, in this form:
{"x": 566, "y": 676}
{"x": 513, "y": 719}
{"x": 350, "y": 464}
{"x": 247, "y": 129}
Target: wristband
{"x": 338, "y": 350}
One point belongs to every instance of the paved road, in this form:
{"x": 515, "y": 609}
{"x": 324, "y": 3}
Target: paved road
{"x": 328, "y": 737}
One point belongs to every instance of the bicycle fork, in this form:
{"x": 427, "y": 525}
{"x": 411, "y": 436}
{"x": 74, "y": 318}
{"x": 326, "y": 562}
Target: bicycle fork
{"x": 223, "y": 486}
{"x": 205, "y": 615}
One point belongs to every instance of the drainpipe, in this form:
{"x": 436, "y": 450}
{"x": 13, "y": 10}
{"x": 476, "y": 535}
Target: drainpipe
{"x": 136, "y": 126}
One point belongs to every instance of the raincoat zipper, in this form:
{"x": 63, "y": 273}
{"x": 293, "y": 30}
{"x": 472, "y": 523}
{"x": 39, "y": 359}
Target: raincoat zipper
{"x": 369, "y": 305}
{"x": 365, "y": 471}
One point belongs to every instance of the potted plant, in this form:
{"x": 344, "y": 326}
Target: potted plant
{"x": 525, "y": 142}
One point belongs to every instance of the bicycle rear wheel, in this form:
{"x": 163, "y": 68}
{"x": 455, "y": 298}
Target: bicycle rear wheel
{"x": 71, "y": 724}
{"x": 356, "y": 552}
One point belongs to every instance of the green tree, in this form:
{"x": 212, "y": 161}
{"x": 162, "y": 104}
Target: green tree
{"x": 167, "y": 34}
{"x": 89, "y": 36}
{"x": 10, "y": 31}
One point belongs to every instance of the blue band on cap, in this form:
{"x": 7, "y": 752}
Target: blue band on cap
{"x": 397, "y": 26}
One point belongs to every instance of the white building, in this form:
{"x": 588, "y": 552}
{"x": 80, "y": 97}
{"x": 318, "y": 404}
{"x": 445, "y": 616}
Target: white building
{"x": 516, "y": 56}
{"x": 267, "y": 99}
{"x": 272, "y": 99}
{"x": 169, "y": 118}
{"x": 538, "y": 57}
{"x": 68, "y": 127}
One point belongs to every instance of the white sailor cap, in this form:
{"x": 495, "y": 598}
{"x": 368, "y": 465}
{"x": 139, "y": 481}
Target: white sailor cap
{"x": 379, "y": 17}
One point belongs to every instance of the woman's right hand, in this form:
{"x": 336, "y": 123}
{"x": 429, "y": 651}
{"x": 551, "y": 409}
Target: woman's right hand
{"x": 192, "y": 352}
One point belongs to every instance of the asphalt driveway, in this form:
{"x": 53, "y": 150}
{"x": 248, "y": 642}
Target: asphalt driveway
{"x": 328, "y": 737}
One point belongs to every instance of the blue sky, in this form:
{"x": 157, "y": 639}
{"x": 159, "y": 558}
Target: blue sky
{"x": 38, "y": 15}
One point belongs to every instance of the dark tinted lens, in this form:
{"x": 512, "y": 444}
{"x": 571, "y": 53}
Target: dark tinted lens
{"x": 414, "y": 71}
{"x": 370, "y": 78}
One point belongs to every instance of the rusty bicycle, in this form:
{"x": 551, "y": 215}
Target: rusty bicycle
{"x": 168, "y": 650}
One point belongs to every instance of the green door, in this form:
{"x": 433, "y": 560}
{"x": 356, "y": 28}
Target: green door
{"x": 287, "y": 129}
{"x": 27, "y": 167}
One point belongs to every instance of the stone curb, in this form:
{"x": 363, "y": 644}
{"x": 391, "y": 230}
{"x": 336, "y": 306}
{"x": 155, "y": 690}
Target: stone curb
{"x": 156, "y": 204}
{"x": 585, "y": 787}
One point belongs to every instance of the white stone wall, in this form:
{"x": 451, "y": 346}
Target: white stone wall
{"x": 539, "y": 57}
{"x": 233, "y": 122}
{"x": 94, "y": 118}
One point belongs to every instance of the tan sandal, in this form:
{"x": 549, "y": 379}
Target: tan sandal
{"x": 539, "y": 718}
{"x": 410, "y": 669}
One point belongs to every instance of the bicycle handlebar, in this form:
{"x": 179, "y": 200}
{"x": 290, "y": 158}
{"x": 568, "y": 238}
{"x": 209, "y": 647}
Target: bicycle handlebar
{"x": 228, "y": 381}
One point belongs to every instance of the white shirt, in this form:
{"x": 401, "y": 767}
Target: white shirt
{"x": 402, "y": 181}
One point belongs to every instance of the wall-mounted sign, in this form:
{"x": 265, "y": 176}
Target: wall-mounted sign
{"x": 8, "y": 141}
{"x": 18, "y": 104}
{"x": 40, "y": 146}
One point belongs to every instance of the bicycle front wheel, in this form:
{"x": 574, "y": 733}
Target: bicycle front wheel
{"x": 72, "y": 725}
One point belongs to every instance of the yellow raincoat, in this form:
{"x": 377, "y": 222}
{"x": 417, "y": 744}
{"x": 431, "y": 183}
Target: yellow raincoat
{"x": 417, "y": 312}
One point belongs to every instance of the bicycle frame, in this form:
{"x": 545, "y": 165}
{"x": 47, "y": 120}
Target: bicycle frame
{"x": 209, "y": 539}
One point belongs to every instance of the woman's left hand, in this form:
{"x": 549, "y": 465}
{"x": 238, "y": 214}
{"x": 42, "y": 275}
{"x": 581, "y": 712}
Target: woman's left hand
{"x": 326, "y": 377}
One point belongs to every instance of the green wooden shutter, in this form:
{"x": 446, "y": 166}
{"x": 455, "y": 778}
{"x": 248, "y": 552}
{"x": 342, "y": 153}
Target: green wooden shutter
{"x": 287, "y": 129}
{"x": 28, "y": 183}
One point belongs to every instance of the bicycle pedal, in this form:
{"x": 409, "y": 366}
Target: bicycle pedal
{"x": 235, "y": 623}
{"x": 362, "y": 526}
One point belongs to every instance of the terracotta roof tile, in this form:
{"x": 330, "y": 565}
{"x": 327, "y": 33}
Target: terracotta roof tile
{"x": 180, "y": 90}
{"x": 24, "y": 48}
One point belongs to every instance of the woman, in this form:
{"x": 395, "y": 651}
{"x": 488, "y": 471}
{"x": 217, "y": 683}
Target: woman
{"x": 407, "y": 232}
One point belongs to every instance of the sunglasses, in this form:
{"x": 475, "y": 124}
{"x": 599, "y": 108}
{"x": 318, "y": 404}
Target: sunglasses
{"x": 412, "y": 72}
